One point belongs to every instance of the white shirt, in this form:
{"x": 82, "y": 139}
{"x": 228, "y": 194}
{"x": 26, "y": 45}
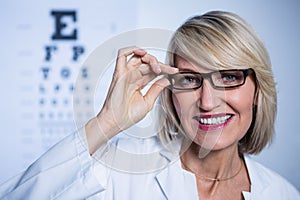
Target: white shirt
{"x": 67, "y": 171}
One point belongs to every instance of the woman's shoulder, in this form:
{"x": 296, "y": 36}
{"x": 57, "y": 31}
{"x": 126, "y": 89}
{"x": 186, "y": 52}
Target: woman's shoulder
{"x": 265, "y": 180}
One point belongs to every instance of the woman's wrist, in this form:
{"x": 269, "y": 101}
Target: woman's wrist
{"x": 99, "y": 131}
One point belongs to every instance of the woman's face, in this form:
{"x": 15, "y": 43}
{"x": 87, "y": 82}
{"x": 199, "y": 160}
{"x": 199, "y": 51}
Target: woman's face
{"x": 214, "y": 119}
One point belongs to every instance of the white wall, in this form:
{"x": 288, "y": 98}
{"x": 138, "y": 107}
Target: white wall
{"x": 278, "y": 24}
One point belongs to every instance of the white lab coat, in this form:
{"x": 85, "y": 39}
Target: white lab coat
{"x": 68, "y": 172}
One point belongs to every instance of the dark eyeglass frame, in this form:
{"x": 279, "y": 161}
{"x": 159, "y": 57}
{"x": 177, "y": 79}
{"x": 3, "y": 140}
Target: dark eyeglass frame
{"x": 208, "y": 76}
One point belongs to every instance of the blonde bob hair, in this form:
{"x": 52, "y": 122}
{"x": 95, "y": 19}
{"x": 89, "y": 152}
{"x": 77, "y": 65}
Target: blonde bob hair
{"x": 223, "y": 40}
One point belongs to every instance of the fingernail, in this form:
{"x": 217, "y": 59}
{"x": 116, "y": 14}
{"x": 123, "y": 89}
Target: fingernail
{"x": 167, "y": 82}
{"x": 158, "y": 68}
{"x": 174, "y": 69}
{"x": 164, "y": 83}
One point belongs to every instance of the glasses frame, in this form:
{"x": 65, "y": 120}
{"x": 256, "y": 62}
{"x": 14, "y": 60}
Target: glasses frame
{"x": 208, "y": 76}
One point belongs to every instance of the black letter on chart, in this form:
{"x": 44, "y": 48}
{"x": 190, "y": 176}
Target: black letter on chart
{"x": 45, "y": 71}
{"x": 77, "y": 51}
{"x": 49, "y": 50}
{"x": 60, "y": 25}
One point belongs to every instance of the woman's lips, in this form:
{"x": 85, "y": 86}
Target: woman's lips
{"x": 213, "y": 122}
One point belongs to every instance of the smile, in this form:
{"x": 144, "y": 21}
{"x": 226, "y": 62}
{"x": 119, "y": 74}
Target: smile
{"x": 212, "y": 122}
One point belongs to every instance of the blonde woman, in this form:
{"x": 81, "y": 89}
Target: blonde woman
{"x": 218, "y": 102}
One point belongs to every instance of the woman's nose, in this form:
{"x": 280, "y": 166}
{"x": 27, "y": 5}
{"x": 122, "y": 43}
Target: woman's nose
{"x": 209, "y": 96}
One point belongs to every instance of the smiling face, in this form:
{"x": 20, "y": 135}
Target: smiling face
{"x": 212, "y": 118}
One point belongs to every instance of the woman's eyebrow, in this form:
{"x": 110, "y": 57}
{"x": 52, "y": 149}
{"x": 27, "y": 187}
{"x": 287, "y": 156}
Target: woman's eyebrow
{"x": 186, "y": 70}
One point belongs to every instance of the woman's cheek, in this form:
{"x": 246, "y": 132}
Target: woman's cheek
{"x": 176, "y": 105}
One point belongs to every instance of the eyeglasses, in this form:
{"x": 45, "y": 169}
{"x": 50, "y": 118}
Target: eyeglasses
{"x": 218, "y": 79}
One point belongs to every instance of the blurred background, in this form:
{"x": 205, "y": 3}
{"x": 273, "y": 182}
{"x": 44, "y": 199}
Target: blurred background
{"x": 44, "y": 45}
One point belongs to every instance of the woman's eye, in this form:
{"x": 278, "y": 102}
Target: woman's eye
{"x": 231, "y": 77}
{"x": 188, "y": 80}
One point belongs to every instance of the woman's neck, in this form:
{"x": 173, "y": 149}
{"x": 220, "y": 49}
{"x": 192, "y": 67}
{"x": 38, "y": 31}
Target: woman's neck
{"x": 217, "y": 164}
{"x": 219, "y": 173}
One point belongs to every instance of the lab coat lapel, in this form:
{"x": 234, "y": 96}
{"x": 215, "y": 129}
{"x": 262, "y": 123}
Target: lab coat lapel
{"x": 257, "y": 180}
{"x": 177, "y": 183}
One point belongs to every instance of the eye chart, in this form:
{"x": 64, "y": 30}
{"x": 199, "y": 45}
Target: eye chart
{"x": 44, "y": 45}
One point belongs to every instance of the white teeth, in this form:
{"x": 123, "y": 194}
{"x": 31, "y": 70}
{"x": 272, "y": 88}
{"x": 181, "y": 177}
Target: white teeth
{"x": 214, "y": 120}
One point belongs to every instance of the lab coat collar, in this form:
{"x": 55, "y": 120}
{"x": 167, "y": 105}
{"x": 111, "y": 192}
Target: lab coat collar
{"x": 177, "y": 183}
{"x": 259, "y": 181}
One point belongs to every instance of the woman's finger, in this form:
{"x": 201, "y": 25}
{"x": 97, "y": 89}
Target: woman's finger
{"x": 154, "y": 91}
{"x": 153, "y": 62}
{"x": 167, "y": 69}
{"x": 123, "y": 53}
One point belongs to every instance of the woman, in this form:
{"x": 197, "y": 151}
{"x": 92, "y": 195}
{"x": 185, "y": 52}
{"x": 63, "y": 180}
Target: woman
{"x": 218, "y": 104}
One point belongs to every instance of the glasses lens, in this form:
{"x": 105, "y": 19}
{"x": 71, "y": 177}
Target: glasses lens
{"x": 228, "y": 78}
{"x": 186, "y": 80}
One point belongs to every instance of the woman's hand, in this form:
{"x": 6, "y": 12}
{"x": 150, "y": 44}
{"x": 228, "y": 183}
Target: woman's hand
{"x": 125, "y": 105}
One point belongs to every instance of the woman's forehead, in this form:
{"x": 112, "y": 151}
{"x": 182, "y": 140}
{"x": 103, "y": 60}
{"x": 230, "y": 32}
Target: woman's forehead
{"x": 185, "y": 64}
{"x": 202, "y": 64}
